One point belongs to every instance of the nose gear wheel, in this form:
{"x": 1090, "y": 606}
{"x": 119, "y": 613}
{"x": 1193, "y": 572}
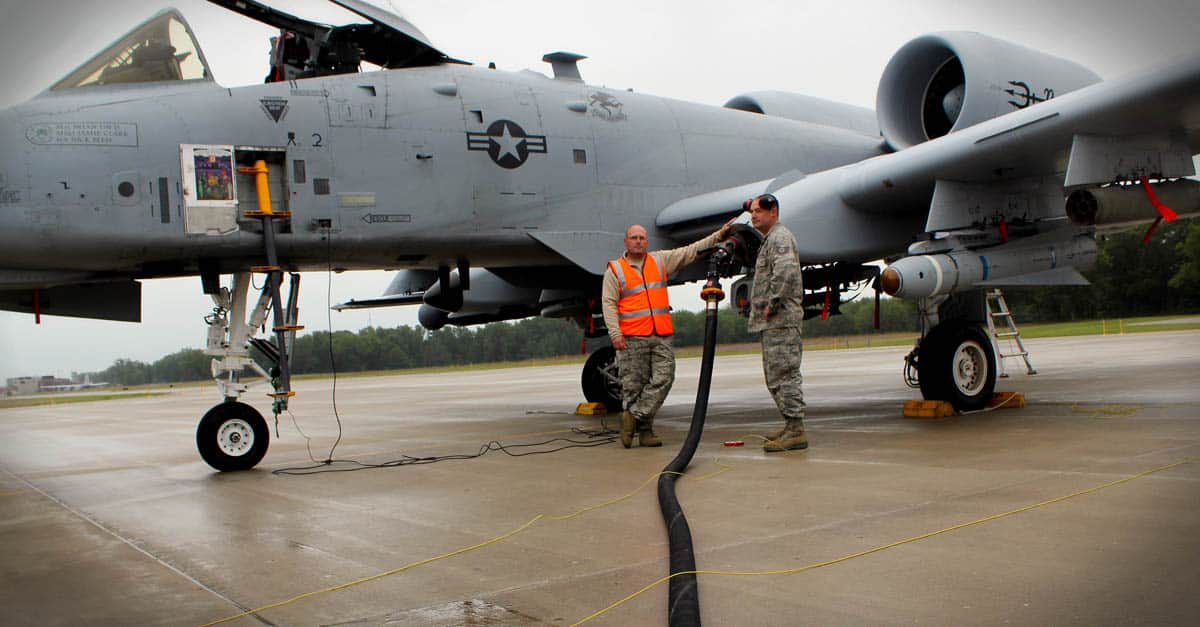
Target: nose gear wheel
{"x": 232, "y": 436}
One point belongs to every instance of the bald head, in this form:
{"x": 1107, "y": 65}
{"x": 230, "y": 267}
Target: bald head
{"x": 635, "y": 242}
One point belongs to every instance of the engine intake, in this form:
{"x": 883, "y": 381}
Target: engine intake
{"x": 943, "y": 82}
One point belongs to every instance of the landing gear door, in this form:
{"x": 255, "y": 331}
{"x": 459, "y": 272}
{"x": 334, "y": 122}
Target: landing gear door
{"x": 210, "y": 197}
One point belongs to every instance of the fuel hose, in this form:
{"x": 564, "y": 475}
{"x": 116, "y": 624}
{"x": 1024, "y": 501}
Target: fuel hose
{"x": 733, "y": 255}
{"x": 683, "y": 607}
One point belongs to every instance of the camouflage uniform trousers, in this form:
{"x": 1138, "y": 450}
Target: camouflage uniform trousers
{"x": 647, "y": 367}
{"x": 781, "y": 352}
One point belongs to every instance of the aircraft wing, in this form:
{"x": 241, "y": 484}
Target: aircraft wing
{"x": 590, "y": 250}
{"x": 1145, "y": 124}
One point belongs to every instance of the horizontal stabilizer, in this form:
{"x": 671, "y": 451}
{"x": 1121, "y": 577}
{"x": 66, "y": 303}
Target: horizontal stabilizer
{"x": 407, "y": 288}
{"x": 115, "y": 300}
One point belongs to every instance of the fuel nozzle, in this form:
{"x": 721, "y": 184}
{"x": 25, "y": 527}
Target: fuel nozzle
{"x": 738, "y": 250}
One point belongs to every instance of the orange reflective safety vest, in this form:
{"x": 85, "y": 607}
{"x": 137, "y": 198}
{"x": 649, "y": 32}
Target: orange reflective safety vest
{"x": 643, "y": 308}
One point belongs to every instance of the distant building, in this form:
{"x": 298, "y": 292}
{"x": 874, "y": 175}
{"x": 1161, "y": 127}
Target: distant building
{"x": 23, "y": 385}
{"x": 47, "y": 383}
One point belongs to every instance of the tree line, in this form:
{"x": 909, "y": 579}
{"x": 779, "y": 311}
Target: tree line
{"x": 1130, "y": 279}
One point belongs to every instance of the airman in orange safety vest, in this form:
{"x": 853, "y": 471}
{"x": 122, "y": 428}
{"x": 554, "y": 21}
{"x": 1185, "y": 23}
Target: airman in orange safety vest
{"x": 637, "y": 313}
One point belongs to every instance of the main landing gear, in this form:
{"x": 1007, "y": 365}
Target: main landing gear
{"x": 955, "y": 361}
{"x": 601, "y": 379}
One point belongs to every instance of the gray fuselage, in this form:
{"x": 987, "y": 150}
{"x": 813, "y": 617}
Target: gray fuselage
{"x": 402, "y": 168}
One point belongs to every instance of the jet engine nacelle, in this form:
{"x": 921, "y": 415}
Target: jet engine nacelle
{"x": 802, "y": 108}
{"x": 943, "y": 82}
{"x": 1029, "y": 264}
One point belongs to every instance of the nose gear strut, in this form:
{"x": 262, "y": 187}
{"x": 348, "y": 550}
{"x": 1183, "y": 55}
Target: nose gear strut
{"x": 233, "y": 435}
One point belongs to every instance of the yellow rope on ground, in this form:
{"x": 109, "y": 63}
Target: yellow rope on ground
{"x": 724, "y": 468}
{"x": 1098, "y": 411}
{"x": 380, "y": 575}
{"x": 717, "y": 461}
{"x": 792, "y": 571}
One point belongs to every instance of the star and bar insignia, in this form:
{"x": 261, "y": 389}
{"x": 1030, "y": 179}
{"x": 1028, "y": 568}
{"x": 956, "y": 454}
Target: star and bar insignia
{"x": 506, "y": 143}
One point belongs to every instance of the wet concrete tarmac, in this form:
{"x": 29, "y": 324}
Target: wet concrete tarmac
{"x": 109, "y": 517}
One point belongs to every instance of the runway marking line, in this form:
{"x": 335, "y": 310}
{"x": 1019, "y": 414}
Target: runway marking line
{"x": 131, "y": 544}
{"x": 792, "y": 571}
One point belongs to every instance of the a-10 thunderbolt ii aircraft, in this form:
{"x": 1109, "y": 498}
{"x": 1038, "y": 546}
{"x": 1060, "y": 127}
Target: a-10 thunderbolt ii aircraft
{"x": 501, "y": 195}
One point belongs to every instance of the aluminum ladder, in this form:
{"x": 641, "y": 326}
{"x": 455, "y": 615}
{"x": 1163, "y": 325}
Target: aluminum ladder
{"x": 997, "y": 307}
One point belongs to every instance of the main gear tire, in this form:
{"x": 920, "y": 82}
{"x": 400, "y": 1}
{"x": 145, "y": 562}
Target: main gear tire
{"x": 601, "y": 379}
{"x": 956, "y": 363}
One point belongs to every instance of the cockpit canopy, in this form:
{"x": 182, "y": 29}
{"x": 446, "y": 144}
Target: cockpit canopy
{"x": 164, "y": 49}
{"x": 161, "y": 49}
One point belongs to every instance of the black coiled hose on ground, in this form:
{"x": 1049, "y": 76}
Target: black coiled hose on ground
{"x": 683, "y": 606}
{"x": 737, "y": 251}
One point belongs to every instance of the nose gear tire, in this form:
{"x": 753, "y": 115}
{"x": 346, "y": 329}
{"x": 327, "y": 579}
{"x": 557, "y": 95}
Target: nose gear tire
{"x": 232, "y": 436}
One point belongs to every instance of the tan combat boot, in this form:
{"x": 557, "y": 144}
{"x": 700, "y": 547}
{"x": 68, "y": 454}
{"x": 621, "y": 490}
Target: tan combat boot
{"x": 791, "y": 439}
{"x": 775, "y": 436}
{"x": 646, "y": 437}
{"x": 627, "y": 423}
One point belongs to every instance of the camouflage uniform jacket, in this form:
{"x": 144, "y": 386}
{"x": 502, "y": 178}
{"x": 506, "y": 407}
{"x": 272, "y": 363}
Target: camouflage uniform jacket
{"x": 777, "y": 282}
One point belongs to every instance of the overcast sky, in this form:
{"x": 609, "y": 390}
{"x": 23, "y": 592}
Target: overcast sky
{"x": 704, "y": 51}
